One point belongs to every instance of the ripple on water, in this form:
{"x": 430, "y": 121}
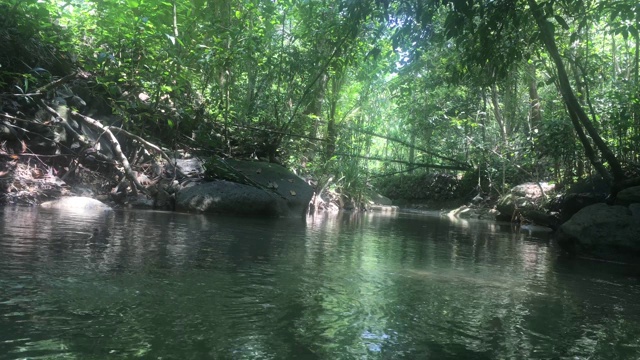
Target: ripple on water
{"x": 136, "y": 284}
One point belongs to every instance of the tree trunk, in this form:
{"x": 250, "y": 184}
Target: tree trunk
{"x": 577, "y": 114}
{"x": 535, "y": 115}
{"x": 498, "y": 115}
{"x": 636, "y": 105}
{"x": 412, "y": 152}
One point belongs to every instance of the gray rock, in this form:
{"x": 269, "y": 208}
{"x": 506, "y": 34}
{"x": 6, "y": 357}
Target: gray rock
{"x": 279, "y": 192}
{"x": 467, "y": 212}
{"x": 190, "y": 167}
{"x": 635, "y": 211}
{"x": 628, "y": 196}
{"x": 286, "y": 184}
{"x": 225, "y": 197}
{"x": 377, "y": 199}
{"x": 163, "y": 200}
{"x": 601, "y": 230}
{"x": 531, "y": 190}
{"x": 75, "y": 203}
{"x": 139, "y": 201}
{"x": 524, "y": 197}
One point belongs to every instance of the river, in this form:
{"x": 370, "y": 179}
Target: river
{"x": 161, "y": 285}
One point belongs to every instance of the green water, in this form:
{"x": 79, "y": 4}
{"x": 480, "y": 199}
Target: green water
{"x": 154, "y": 285}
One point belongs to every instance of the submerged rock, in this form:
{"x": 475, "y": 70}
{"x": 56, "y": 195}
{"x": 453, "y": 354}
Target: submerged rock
{"x": 471, "y": 212}
{"x": 75, "y": 203}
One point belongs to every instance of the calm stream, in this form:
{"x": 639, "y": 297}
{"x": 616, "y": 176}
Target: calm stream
{"x": 156, "y": 285}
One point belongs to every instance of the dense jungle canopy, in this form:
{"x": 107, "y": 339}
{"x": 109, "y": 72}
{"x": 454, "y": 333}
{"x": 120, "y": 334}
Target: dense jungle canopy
{"x": 354, "y": 92}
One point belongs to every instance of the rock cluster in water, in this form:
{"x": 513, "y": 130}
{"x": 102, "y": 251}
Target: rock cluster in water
{"x": 608, "y": 231}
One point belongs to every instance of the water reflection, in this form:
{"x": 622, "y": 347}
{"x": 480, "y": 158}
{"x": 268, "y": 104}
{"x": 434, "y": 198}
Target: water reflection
{"x": 348, "y": 286}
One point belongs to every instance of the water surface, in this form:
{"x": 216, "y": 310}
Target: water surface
{"x": 157, "y": 285}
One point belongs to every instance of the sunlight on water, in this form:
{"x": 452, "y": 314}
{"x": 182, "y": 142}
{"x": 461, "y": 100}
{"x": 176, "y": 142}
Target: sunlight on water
{"x": 352, "y": 286}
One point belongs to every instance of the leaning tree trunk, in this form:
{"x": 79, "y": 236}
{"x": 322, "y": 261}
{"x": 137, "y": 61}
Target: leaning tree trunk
{"x": 535, "y": 115}
{"x": 576, "y": 111}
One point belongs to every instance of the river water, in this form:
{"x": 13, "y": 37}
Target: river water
{"x": 159, "y": 285}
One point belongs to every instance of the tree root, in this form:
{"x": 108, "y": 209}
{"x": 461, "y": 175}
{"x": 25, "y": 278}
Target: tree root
{"x": 148, "y": 145}
{"x": 129, "y": 173}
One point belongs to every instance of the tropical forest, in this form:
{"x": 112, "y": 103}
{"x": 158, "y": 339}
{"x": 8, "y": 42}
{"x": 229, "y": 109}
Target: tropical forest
{"x": 424, "y": 103}
{"x": 319, "y": 179}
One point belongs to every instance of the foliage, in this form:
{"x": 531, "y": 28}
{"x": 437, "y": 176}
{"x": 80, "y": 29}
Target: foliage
{"x": 330, "y": 88}
{"x": 422, "y": 187}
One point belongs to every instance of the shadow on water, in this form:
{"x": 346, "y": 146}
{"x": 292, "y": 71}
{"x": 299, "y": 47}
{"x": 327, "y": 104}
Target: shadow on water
{"x": 134, "y": 284}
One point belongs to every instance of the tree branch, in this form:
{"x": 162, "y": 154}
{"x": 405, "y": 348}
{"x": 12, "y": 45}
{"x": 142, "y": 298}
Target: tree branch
{"x": 438, "y": 156}
{"x": 117, "y": 149}
{"x": 55, "y": 84}
{"x": 417, "y": 165}
{"x": 147, "y": 144}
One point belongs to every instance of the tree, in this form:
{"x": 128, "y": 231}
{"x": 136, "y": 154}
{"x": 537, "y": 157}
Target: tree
{"x": 492, "y": 38}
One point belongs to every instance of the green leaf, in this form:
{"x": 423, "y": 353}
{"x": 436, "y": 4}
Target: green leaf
{"x": 561, "y": 21}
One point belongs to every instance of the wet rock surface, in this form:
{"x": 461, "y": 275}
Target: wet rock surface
{"x": 521, "y": 199}
{"x": 628, "y": 196}
{"x": 268, "y": 190}
{"x": 225, "y": 197}
{"x": 80, "y": 203}
{"x": 606, "y": 231}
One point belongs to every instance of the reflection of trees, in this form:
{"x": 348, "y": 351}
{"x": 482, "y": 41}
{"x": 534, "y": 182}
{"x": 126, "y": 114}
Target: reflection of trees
{"x": 356, "y": 286}
{"x": 460, "y": 292}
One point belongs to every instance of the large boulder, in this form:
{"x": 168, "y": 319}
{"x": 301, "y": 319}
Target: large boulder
{"x": 628, "y": 196}
{"x": 377, "y": 199}
{"x": 76, "y": 203}
{"x": 524, "y": 197}
{"x": 602, "y": 230}
{"x": 584, "y": 192}
{"x": 571, "y": 203}
{"x": 279, "y": 192}
{"x": 225, "y": 197}
{"x": 280, "y": 180}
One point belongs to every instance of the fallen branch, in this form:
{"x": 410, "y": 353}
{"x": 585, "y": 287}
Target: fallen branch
{"x": 13, "y": 118}
{"x": 394, "y": 173}
{"x": 55, "y": 84}
{"x": 148, "y": 145}
{"x": 460, "y": 164}
{"x": 415, "y": 165}
{"x": 80, "y": 138}
{"x": 116, "y": 148}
